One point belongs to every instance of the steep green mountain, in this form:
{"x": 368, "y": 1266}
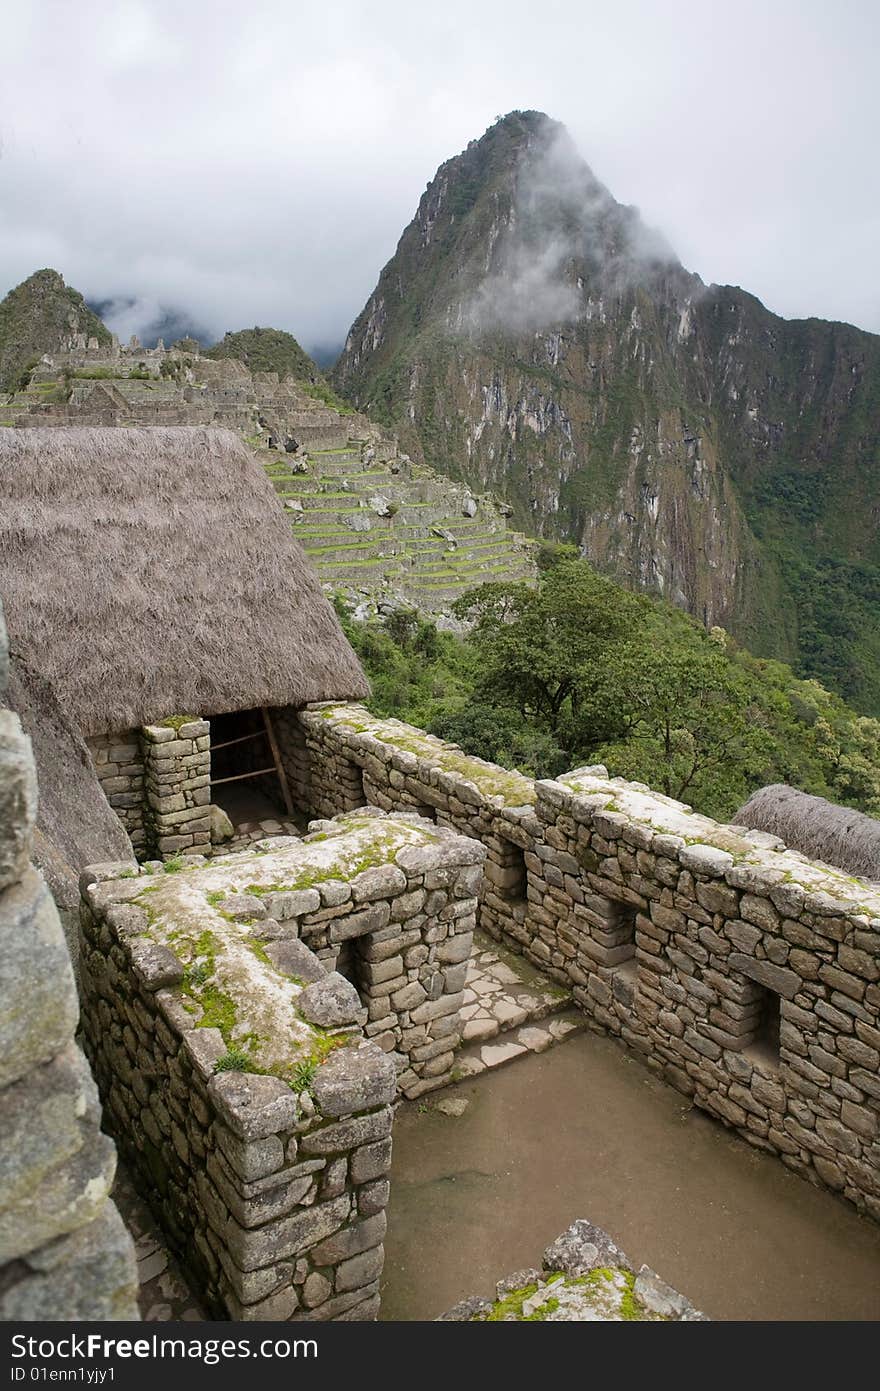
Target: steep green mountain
{"x": 41, "y": 315}
{"x": 532, "y": 335}
{"x": 267, "y": 350}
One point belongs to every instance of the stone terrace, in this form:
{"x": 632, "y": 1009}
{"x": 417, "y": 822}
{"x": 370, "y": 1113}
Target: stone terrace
{"x": 370, "y": 520}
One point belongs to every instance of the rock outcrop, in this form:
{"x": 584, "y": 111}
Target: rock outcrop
{"x": 64, "y": 1252}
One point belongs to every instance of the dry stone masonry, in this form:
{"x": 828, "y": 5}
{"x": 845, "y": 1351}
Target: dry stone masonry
{"x": 250, "y": 1082}
{"x": 119, "y": 764}
{"x": 177, "y": 785}
{"x": 747, "y": 975}
{"x": 64, "y": 1253}
{"x": 585, "y": 1278}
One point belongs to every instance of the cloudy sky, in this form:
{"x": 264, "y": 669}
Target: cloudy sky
{"x": 256, "y": 163}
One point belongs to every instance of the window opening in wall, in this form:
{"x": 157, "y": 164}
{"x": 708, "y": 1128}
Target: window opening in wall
{"x": 423, "y": 809}
{"x": 764, "y": 1041}
{"x": 511, "y": 876}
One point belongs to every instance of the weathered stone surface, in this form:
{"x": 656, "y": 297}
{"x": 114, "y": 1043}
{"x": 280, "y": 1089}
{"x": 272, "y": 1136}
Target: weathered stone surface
{"x": 786, "y": 983}
{"x": 346, "y": 1135}
{"x": 254, "y": 1106}
{"x": 581, "y": 1248}
{"x": 705, "y": 859}
{"x": 156, "y": 966}
{"x": 18, "y": 796}
{"x": 661, "y": 1299}
{"x": 252, "y": 1249}
{"x": 89, "y": 1275}
{"x": 221, "y": 827}
{"x": 38, "y": 1005}
{"x": 350, "y": 1241}
{"x": 242, "y": 907}
{"x": 331, "y": 1002}
{"x": 355, "y": 1079}
{"x": 294, "y": 958}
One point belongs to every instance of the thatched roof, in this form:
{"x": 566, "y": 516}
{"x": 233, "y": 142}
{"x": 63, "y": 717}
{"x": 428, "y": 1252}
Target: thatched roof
{"x": 823, "y": 831}
{"x": 75, "y": 825}
{"x": 151, "y": 572}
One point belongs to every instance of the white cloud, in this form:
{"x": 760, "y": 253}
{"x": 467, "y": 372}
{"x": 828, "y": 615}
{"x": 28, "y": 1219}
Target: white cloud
{"x": 258, "y": 164}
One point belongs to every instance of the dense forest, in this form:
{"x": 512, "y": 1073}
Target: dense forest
{"x": 578, "y": 670}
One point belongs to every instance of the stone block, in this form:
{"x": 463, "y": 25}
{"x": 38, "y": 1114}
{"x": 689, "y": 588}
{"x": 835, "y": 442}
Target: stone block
{"x": 777, "y": 978}
{"x": 55, "y": 1166}
{"x": 38, "y": 1003}
{"x": 89, "y": 1276}
{"x": 331, "y": 1002}
{"x": 18, "y": 799}
{"x": 354, "y": 1079}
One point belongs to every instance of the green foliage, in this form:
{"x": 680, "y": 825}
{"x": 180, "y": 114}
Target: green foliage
{"x": 234, "y": 1060}
{"x": 34, "y": 319}
{"x": 268, "y": 350}
{"x": 579, "y": 670}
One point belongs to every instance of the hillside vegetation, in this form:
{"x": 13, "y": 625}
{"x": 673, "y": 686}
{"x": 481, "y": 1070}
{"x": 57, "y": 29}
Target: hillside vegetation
{"x": 533, "y": 336}
{"x": 580, "y": 670}
{"x": 37, "y": 317}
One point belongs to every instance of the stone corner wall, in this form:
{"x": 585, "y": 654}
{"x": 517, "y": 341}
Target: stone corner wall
{"x": 261, "y": 1135}
{"x": 64, "y": 1252}
{"x": 177, "y": 787}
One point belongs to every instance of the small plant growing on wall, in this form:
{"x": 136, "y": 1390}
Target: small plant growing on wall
{"x": 235, "y": 1060}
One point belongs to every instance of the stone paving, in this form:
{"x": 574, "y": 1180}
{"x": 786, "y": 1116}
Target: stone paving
{"x": 509, "y": 1009}
{"x": 164, "y": 1295}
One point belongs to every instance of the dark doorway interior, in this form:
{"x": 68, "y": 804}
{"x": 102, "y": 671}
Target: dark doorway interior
{"x": 245, "y": 777}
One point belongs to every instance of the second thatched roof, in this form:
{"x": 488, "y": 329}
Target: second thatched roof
{"x": 151, "y": 572}
{"x": 819, "y": 829}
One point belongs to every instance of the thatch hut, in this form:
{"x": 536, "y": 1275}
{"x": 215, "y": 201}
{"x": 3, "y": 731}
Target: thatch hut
{"x": 151, "y": 573}
{"x": 819, "y": 829}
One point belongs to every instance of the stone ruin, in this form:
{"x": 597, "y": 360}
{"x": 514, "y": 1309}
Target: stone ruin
{"x": 584, "y": 1278}
{"x": 253, "y": 1017}
{"x": 233, "y": 1057}
{"x": 63, "y": 1246}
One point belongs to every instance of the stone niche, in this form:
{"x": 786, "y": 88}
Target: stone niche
{"x": 247, "y": 1081}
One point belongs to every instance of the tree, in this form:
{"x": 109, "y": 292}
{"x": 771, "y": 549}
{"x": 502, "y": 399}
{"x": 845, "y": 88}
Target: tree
{"x": 539, "y": 649}
{"x": 694, "y": 725}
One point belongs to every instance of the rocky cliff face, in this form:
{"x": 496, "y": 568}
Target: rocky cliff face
{"x": 42, "y": 315}
{"x": 533, "y": 336}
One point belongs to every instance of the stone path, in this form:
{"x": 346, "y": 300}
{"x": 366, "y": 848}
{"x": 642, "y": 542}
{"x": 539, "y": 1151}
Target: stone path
{"x": 246, "y": 832}
{"x": 509, "y": 1010}
{"x": 164, "y": 1294}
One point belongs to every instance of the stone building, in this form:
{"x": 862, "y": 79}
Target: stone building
{"x": 150, "y": 576}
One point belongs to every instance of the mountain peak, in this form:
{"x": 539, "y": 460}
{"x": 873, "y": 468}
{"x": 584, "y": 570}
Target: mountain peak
{"x": 39, "y": 316}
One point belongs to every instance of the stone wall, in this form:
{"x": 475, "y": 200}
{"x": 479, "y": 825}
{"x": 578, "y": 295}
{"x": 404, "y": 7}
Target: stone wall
{"x": 119, "y": 763}
{"x": 744, "y": 973}
{"x": 342, "y": 758}
{"x": 233, "y": 1061}
{"x": 177, "y": 787}
{"x": 64, "y": 1253}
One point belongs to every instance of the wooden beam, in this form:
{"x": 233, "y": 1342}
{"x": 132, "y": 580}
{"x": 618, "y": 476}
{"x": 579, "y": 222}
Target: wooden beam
{"x": 279, "y": 766}
{"x": 237, "y": 777}
{"x": 242, "y": 739}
